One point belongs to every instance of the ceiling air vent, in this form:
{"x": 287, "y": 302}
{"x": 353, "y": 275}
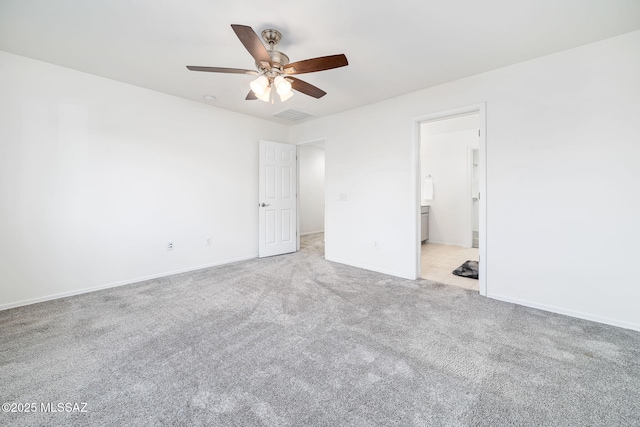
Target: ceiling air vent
{"x": 293, "y": 115}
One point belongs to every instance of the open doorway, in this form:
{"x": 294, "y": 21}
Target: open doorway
{"x": 451, "y": 151}
{"x": 311, "y": 193}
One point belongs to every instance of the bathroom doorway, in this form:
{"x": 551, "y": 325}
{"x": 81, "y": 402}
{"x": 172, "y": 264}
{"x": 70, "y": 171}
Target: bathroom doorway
{"x": 451, "y": 155}
{"x": 311, "y": 190}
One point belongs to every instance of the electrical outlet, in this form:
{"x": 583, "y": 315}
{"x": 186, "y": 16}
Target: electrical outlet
{"x": 376, "y": 244}
{"x": 170, "y": 246}
{"x": 342, "y": 197}
{"x": 208, "y": 242}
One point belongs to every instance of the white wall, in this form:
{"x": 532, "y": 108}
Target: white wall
{"x": 311, "y": 189}
{"x": 446, "y": 158}
{"x": 97, "y": 176}
{"x": 562, "y": 172}
{"x": 451, "y": 124}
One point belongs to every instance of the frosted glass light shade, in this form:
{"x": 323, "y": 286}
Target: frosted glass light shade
{"x": 283, "y": 87}
{"x": 285, "y": 96}
{"x": 259, "y": 85}
{"x": 265, "y": 95}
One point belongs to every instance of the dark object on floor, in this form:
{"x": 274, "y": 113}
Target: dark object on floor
{"x": 468, "y": 269}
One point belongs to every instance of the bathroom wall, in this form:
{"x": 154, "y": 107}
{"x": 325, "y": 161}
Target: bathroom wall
{"x": 446, "y": 156}
{"x": 311, "y": 188}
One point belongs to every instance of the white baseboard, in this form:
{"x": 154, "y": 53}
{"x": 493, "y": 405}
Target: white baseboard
{"x": 120, "y": 283}
{"x": 312, "y": 232}
{"x": 572, "y": 313}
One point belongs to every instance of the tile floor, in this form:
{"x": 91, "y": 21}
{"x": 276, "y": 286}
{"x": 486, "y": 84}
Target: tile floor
{"x": 438, "y": 261}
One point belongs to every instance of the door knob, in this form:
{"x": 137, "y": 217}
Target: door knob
{"x": 264, "y": 204}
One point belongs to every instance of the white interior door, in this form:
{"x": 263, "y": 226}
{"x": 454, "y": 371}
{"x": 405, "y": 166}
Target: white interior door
{"x": 475, "y": 196}
{"x": 277, "y": 204}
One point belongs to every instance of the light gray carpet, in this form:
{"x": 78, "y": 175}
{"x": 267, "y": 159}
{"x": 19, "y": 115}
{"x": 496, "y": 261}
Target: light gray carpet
{"x": 296, "y": 340}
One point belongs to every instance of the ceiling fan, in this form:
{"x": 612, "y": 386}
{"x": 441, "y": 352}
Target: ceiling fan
{"x": 273, "y": 67}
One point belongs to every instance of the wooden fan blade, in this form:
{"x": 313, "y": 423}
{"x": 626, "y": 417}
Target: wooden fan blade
{"x": 316, "y": 64}
{"x": 251, "y": 96}
{"x": 306, "y": 88}
{"x": 222, "y": 70}
{"x": 253, "y": 44}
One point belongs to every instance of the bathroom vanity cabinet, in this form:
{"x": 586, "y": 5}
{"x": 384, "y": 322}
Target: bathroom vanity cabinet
{"x": 424, "y": 223}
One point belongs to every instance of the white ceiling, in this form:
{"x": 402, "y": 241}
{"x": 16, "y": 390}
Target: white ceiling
{"x": 393, "y": 47}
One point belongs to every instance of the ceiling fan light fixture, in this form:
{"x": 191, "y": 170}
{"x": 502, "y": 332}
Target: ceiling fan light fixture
{"x": 285, "y": 96}
{"x": 265, "y": 95}
{"x": 283, "y": 87}
{"x": 259, "y": 85}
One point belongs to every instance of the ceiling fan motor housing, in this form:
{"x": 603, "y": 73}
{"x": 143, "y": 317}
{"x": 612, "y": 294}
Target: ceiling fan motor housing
{"x": 278, "y": 59}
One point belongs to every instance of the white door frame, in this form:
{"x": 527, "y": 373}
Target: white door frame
{"x": 298, "y": 144}
{"x": 482, "y": 172}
